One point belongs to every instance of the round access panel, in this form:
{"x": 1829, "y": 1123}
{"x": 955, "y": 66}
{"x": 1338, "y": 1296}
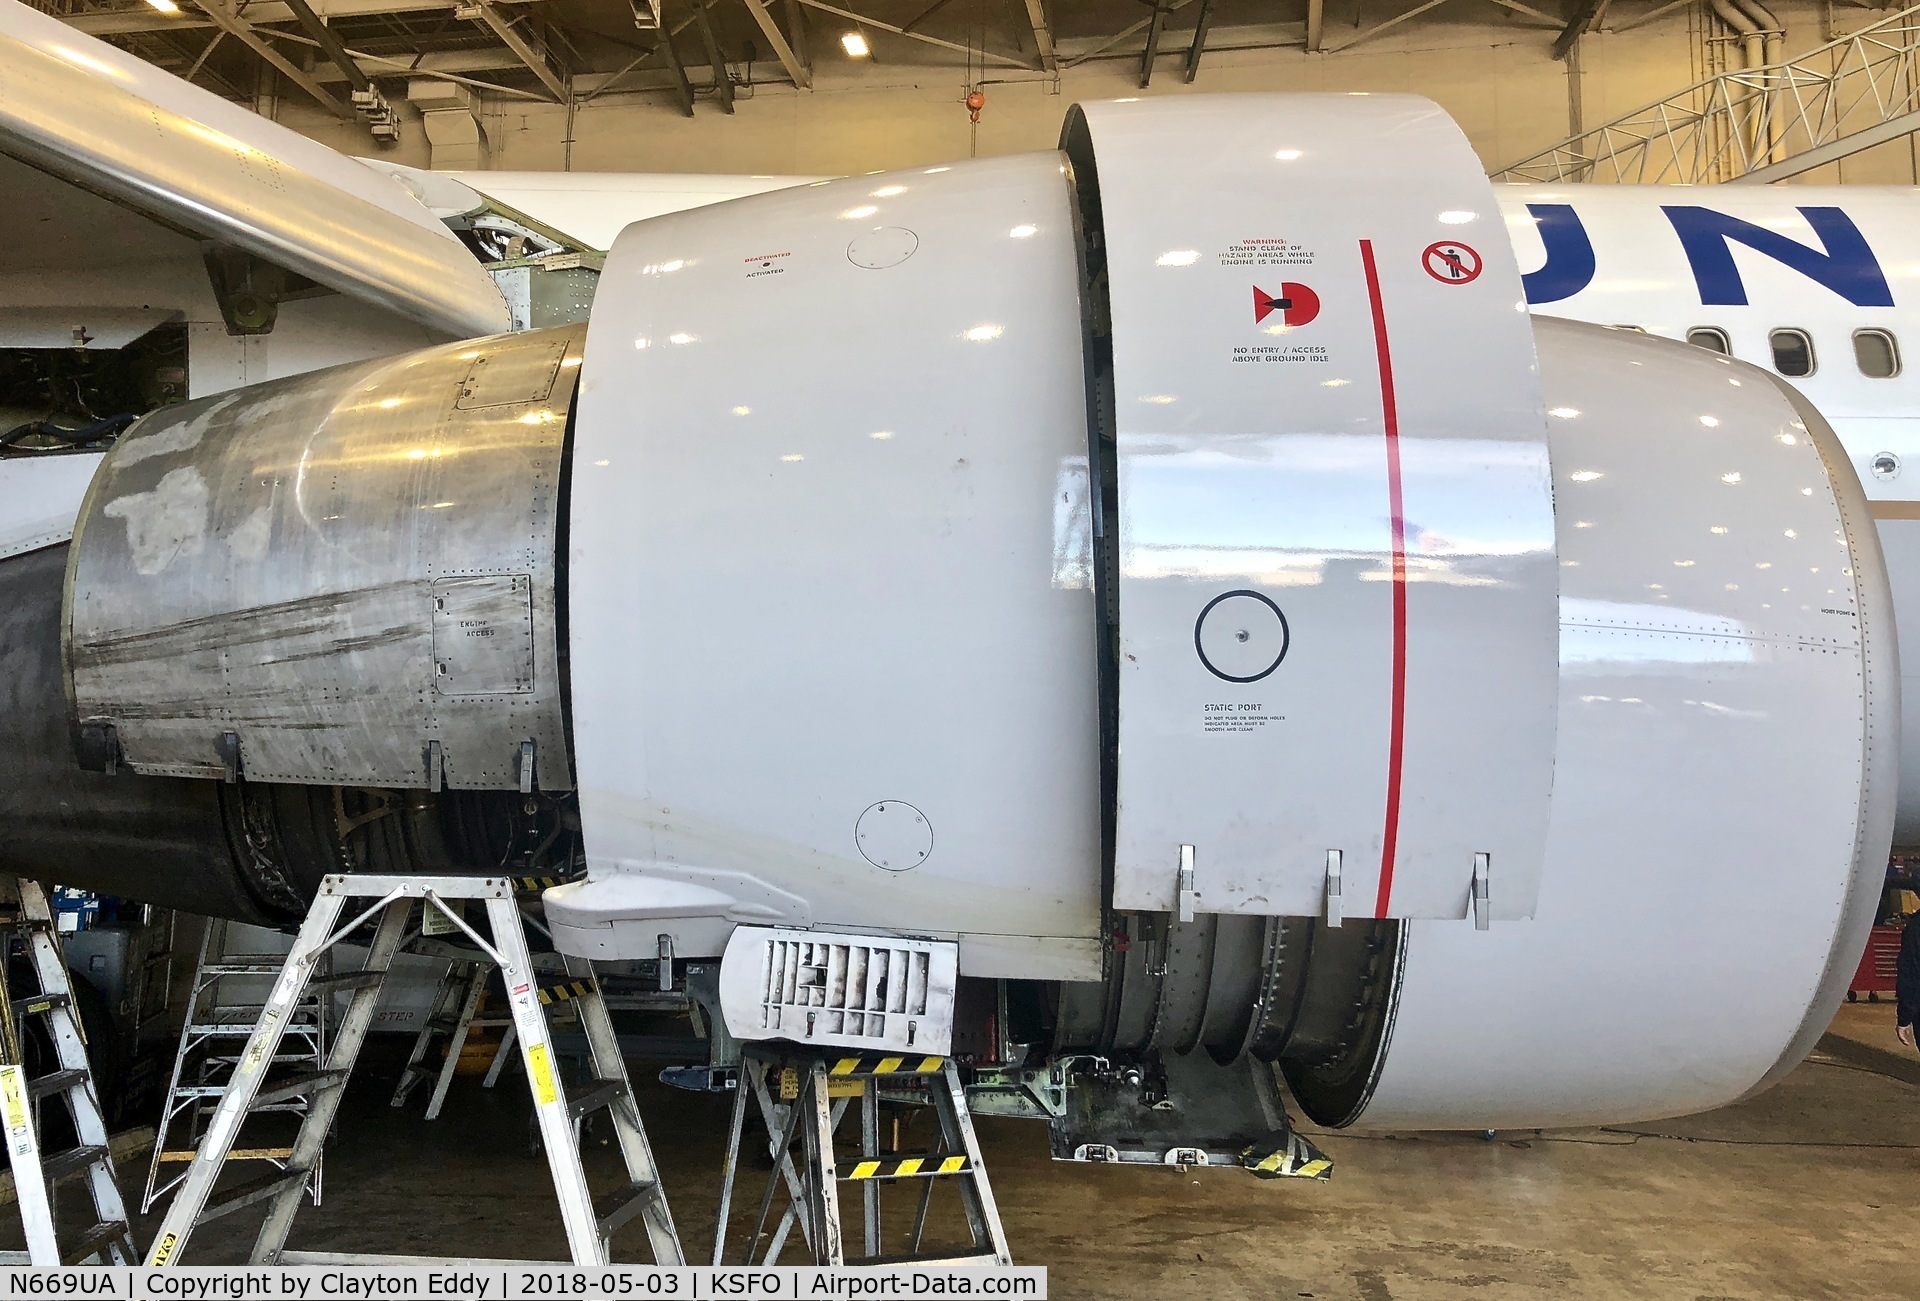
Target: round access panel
{"x": 888, "y": 246}
{"x": 894, "y": 835}
{"x": 1241, "y": 636}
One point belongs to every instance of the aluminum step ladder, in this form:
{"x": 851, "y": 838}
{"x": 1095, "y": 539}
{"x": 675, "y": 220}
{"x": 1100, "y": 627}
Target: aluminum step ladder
{"x": 229, "y": 990}
{"x": 28, "y": 924}
{"x": 590, "y": 1222}
{"x": 803, "y": 1097}
{"x": 456, "y": 1007}
{"x": 454, "y": 1013}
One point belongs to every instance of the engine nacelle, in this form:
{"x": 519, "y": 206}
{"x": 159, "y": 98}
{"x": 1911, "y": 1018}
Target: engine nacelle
{"x": 1350, "y": 674}
{"x": 1725, "y": 776}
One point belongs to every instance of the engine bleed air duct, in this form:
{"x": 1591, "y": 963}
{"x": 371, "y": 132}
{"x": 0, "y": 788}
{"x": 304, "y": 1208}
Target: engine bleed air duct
{"x": 1136, "y": 565}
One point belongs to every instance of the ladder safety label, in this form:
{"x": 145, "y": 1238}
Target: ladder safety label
{"x": 262, "y": 1037}
{"x": 482, "y": 1280}
{"x": 14, "y": 1097}
{"x": 439, "y": 920}
{"x": 540, "y": 1067}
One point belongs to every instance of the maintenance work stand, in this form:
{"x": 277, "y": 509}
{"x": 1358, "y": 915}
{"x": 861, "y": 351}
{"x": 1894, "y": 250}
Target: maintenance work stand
{"x": 803, "y": 1096}
{"x": 590, "y": 1222}
{"x": 27, "y": 930}
{"x": 230, "y": 988}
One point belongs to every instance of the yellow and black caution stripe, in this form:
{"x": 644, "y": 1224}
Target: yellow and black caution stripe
{"x": 1287, "y": 1156}
{"x": 909, "y": 1167}
{"x": 565, "y": 991}
{"x": 535, "y": 884}
{"x": 1282, "y": 1165}
{"x": 847, "y": 1076}
{"x": 873, "y": 1065}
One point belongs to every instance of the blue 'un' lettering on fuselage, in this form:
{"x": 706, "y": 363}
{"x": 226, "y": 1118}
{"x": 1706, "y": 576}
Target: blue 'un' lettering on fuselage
{"x": 1569, "y": 265}
{"x": 1843, "y": 262}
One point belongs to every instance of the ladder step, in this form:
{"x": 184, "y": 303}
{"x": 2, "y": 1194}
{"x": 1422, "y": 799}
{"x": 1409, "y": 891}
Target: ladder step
{"x": 241, "y": 1029}
{"x": 38, "y": 1003}
{"x": 72, "y": 1161}
{"x": 96, "y": 1240}
{"x": 58, "y": 1082}
{"x": 964, "y": 1258}
{"x": 613, "y": 1209}
{"x": 246, "y": 1194}
{"x": 596, "y": 1094}
{"x": 237, "y": 1154}
{"x": 931, "y": 1166}
{"x": 346, "y": 980}
{"x": 219, "y": 1090}
{"x": 311, "y": 1082}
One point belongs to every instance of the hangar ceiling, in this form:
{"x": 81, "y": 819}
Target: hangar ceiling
{"x": 348, "y": 54}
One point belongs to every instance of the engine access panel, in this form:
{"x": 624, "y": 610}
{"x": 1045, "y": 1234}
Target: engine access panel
{"x": 343, "y": 578}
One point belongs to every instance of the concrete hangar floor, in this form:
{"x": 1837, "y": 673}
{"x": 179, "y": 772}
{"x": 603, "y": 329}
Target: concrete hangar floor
{"x": 1807, "y": 1191}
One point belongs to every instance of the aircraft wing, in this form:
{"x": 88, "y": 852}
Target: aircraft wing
{"x": 90, "y": 114}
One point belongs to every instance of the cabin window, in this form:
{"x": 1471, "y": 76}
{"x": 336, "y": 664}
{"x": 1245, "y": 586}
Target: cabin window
{"x": 1877, "y": 354}
{"x": 1792, "y": 353}
{"x": 1713, "y": 340}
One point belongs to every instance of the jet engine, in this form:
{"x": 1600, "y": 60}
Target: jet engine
{"x": 1140, "y": 616}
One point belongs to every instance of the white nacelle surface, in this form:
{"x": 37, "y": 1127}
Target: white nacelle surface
{"x": 597, "y": 206}
{"x": 829, "y": 578}
{"x": 1642, "y": 276}
{"x": 831, "y": 680}
{"x": 1725, "y": 773}
{"x": 1336, "y": 581}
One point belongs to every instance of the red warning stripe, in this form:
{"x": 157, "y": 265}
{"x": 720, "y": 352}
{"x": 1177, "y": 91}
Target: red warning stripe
{"x": 1397, "y": 726}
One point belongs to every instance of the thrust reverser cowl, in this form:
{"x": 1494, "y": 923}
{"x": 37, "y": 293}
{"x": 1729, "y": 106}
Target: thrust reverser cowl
{"x": 1335, "y": 578}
